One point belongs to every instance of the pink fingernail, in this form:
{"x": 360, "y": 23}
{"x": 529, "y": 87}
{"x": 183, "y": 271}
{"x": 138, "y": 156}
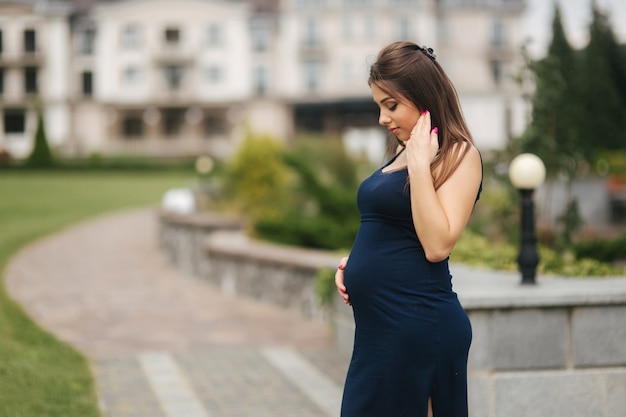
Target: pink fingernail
{"x": 436, "y": 130}
{"x": 425, "y": 111}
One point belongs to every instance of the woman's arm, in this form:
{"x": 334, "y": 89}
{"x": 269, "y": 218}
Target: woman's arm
{"x": 440, "y": 216}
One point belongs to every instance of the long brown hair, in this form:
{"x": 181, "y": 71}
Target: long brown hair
{"x": 406, "y": 68}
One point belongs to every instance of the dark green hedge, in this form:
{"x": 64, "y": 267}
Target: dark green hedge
{"x": 603, "y": 250}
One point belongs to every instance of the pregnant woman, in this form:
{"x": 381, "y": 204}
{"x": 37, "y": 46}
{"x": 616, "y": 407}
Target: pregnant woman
{"x": 412, "y": 336}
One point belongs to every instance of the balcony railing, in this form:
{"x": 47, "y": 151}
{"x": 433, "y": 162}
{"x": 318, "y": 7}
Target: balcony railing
{"x": 174, "y": 55}
{"x": 312, "y": 50}
{"x": 22, "y": 59}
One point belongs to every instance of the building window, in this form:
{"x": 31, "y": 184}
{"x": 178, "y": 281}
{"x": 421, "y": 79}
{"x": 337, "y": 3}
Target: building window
{"x": 310, "y": 3}
{"x": 131, "y": 37}
{"x": 30, "y": 41}
{"x": 497, "y": 71}
{"x": 14, "y": 121}
{"x": 173, "y": 76}
{"x": 260, "y": 80}
{"x": 173, "y": 120}
{"x": 30, "y": 80}
{"x": 214, "y": 74}
{"x": 131, "y": 76}
{"x": 445, "y": 31}
{"x": 260, "y": 37}
{"x": 214, "y": 124}
{"x": 498, "y": 34}
{"x": 404, "y": 30}
{"x": 87, "y": 40}
{"x": 311, "y": 32}
{"x": 132, "y": 126}
{"x": 214, "y": 35}
{"x": 347, "y": 70}
{"x": 312, "y": 75}
{"x": 346, "y": 28}
{"x": 87, "y": 83}
{"x": 370, "y": 27}
{"x": 172, "y": 36}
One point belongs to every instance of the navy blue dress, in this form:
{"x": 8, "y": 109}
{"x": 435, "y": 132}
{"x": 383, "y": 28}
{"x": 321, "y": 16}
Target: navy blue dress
{"x": 412, "y": 336}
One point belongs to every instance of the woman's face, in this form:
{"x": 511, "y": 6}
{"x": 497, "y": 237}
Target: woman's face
{"x": 397, "y": 113}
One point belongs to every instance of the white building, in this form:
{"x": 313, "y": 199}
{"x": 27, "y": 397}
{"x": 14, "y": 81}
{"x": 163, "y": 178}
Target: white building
{"x": 34, "y": 61}
{"x": 165, "y": 75}
{"x": 189, "y": 77}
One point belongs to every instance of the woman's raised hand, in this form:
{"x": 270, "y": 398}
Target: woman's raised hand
{"x": 422, "y": 146}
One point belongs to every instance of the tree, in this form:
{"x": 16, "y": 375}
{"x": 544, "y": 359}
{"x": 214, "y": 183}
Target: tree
{"x": 603, "y": 80}
{"x": 552, "y": 133}
{"x": 40, "y": 156}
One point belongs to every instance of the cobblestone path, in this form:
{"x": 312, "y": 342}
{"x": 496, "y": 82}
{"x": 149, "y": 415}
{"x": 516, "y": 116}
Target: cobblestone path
{"x": 166, "y": 345}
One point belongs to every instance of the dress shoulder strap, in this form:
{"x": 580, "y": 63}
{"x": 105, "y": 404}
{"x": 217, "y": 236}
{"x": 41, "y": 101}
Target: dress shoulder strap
{"x": 393, "y": 158}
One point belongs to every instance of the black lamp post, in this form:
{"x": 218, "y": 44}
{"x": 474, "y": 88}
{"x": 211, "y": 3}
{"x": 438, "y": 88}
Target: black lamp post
{"x": 527, "y": 172}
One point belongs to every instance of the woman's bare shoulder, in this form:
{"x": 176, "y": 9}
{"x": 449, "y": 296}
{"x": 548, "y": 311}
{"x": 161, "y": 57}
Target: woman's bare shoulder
{"x": 464, "y": 153}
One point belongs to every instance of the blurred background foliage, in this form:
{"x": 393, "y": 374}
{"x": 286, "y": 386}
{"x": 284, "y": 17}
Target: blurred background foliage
{"x": 302, "y": 194}
{"x": 578, "y": 102}
{"x": 307, "y": 197}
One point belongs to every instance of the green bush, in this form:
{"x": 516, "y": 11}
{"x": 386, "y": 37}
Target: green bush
{"x": 479, "y": 251}
{"x": 325, "y": 286}
{"x": 98, "y": 162}
{"x": 496, "y": 214}
{"x": 603, "y": 250}
{"x": 321, "y": 211}
{"x": 257, "y": 179}
{"x": 322, "y": 231}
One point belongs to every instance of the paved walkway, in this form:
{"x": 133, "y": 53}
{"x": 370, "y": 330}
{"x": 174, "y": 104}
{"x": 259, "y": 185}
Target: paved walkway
{"x": 166, "y": 345}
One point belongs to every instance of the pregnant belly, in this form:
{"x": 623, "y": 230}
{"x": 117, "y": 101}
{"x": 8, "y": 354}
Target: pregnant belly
{"x": 398, "y": 274}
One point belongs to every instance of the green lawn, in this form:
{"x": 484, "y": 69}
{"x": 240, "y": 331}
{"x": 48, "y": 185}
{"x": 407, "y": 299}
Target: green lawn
{"x": 39, "y": 375}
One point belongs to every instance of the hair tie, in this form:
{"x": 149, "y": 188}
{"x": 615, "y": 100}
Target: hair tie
{"x": 429, "y": 52}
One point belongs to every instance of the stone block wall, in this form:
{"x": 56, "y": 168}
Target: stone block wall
{"x": 215, "y": 248}
{"x": 565, "y": 361}
{"x": 181, "y": 237}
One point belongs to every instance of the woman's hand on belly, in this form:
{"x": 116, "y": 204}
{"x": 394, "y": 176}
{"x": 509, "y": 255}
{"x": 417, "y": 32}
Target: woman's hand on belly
{"x": 341, "y": 288}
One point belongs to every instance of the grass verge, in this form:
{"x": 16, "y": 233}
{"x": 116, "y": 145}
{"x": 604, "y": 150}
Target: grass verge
{"x": 40, "y": 375}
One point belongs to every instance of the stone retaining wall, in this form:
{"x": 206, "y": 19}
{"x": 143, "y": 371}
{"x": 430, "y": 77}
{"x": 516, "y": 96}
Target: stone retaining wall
{"x": 182, "y": 237}
{"x": 215, "y": 248}
{"x": 557, "y": 349}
